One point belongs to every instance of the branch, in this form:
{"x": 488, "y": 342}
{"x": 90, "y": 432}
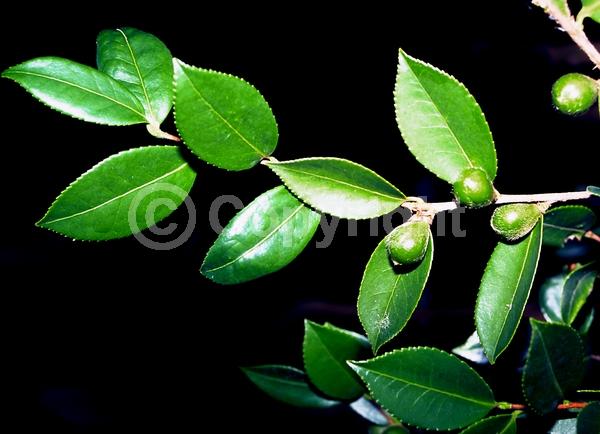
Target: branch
{"x": 574, "y": 29}
{"x": 155, "y": 130}
{"x": 564, "y": 406}
{"x": 436, "y": 207}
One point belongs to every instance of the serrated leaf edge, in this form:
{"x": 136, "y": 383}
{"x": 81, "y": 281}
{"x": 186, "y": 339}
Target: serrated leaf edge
{"x": 40, "y": 222}
{"x": 179, "y": 63}
{"x": 355, "y": 363}
{"x": 295, "y": 193}
{"x": 115, "y": 124}
{"x": 401, "y": 52}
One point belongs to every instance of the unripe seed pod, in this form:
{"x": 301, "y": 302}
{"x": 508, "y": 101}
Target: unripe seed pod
{"x": 574, "y": 93}
{"x": 474, "y": 189}
{"x": 407, "y": 244}
{"x": 516, "y": 220}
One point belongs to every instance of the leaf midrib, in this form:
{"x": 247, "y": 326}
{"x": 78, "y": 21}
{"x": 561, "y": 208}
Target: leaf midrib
{"x": 85, "y": 89}
{"x": 465, "y": 155}
{"x": 302, "y": 172}
{"x": 486, "y": 404}
{"x": 254, "y": 247}
{"x": 221, "y": 117}
{"x": 139, "y": 73}
{"x": 120, "y": 196}
{"x": 565, "y": 228}
{"x": 526, "y": 257}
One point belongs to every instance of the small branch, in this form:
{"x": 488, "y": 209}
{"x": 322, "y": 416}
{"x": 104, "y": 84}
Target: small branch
{"x": 572, "y": 27}
{"x": 155, "y": 131}
{"x": 436, "y": 207}
{"x": 595, "y": 357}
{"x": 564, "y": 406}
{"x": 592, "y": 236}
{"x": 569, "y": 405}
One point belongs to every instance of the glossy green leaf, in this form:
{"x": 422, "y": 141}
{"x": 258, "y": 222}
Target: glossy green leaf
{"x": 427, "y": 388}
{"x": 118, "y": 196}
{"x": 472, "y": 350}
{"x": 286, "y": 384}
{"x": 554, "y": 365}
{"x": 594, "y": 190}
{"x": 326, "y": 350}
{"x": 262, "y": 238}
{"x": 577, "y": 288}
{"x": 224, "y": 120}
{"x": 502, "y": 424}
{"x": 551, "y": 293}
{"x": 338, "y": 187}
{"x": 588, "y": 420}
{"x": 141, "y": 63}
{"x": 566, "y": 221}
{"x": 440, "y": 121}
{"x": 78, "y": 91}
{"x": 589, "y": 9}
{"x": 504, "y": 291}
{"x": 564, "y": 426}
{"x": 389, "y": 294}
{"x": 368, "y": 410}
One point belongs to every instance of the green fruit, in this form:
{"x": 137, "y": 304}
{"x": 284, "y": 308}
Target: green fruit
{"x": 574, "y": 93}
{"x": 407, "y": 243}
{"x": 516, "y": 220}
{"x": 474, "y": 188}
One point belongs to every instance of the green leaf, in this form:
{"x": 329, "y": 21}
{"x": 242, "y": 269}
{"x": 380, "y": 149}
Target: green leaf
{"x": 286, "y": 384}
{"x": 554, "y": 365}
{"x": 262, "y": 238}
{"x": 588, "y": 420}
{"x": 504, "y": 291}
{"x": 503, "y": 424}
{"x": 427, "y": 388}
{"x": 338, "y": 187}
{"x": 369, "y": 411}
{"x": 326, "y": 350}
{"x": 389, "y": 294}
{"x": 78, "y": 91}
{"x": 113, "y": 198}
{"x": 578, "y": 286}
{"x": 585, "y": 327}
{"x": 141, "y": 63}
{"x": 594, "y": 190}
{"x": 224, "y": 120}
{"x": 566, "y": 221}
{"x": 551, "y": 293}
{"x": 472, "y": 350}
{"x": 440, "y": 121}
{"x": 589, "y": 9}
{"x": 564, "y": 426}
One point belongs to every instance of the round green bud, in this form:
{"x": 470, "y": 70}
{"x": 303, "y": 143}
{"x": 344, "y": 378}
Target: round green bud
{"x": 474, "y": 189}
{"x": 574, "y": 93}
{"x": 407, "y": 244}
{"x": 516, "y": 220}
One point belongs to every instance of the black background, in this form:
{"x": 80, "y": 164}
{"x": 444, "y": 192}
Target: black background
{"x": 110, "y": 337}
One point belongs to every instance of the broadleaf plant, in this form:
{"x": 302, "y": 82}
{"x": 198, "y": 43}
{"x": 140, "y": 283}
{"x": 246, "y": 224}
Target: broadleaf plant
{"x": 226, "y": 122}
